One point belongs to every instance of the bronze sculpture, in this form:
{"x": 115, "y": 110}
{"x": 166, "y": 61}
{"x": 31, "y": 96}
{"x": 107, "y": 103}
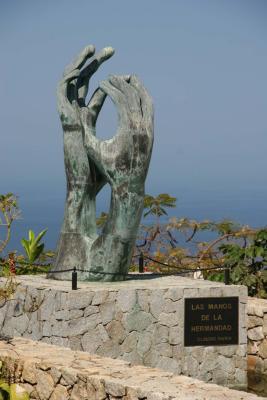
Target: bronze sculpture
{"x": 90, "y": 163}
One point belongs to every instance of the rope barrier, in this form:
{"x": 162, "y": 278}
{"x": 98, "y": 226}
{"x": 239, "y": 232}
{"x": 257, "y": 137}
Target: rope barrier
{"x": 88, "y": 271}
{"x": 58, "y": 272}
{"x": 182, "y": 271}
{"x": 118, "y": 273}
{"x": 188, "y": 270}
{"x": 162, "y": 263}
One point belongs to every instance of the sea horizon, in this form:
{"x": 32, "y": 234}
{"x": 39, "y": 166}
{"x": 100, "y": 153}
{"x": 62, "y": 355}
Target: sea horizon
{"x": 245, "y": 207}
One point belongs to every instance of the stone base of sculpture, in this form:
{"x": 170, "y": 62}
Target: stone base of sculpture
{"x": 141, "y": 321}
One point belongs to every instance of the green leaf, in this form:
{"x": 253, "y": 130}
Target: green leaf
{"x": 31, "y": 235}
{"x": 32, "y": 247}
{"x": 39, "y": 237}
{"x": 264, "y": 276}
{"x": 259, "y": 251}
{"x": 40, "y": 249}
{"x": 147, "y": 213}
{"x": 26, "y": 246}
{"x": 226, "y": 227}
{"x": 156, "y": 205}
{"x": 17, "y": 392}
{"x": 4, "y": 390}
{"x": 148, "y": 201}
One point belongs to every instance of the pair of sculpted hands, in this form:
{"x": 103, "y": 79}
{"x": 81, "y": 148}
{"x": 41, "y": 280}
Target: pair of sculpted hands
{"x": 91, "y": 161}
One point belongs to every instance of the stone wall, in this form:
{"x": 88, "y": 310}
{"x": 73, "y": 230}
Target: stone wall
{"x": 257, "y": 344}
{"x": 47, "y": 372}
{"x": 140, "y": 321}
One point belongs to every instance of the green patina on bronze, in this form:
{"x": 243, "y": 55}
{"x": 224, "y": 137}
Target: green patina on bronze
{"x": 90, "y": 163}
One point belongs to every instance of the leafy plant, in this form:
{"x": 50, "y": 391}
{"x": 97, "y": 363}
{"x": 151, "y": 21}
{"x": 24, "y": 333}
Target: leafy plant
{"x": 156, "y": 205}
{"x": 33, "y": 247}
{"x": 12, "y": 392}
{"x": 156, "y": 239}
{"x": 9, "y": 212}
{"x": 247, "y": 263}
{"x": 177, "y": 245}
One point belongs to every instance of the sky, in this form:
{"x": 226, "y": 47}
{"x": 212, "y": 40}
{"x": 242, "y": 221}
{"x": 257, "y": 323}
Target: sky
{"x": 204, "y": 64}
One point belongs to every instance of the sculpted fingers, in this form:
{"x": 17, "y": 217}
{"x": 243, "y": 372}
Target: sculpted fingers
{"x": 118, "y": 99}
{"x": 89, "y": 70}
{"x": 95, "y": 104}
{"x": 80, "y": 60}
{"x": 91, "y": 143}
{"x": 99, "y": 58}
{"x": 126, "y": 77}
{"x": 146, "y": 101}
{"x": 131, "y": 95}
{"x": 63, "y": 98}
{"x": 63, "y": 84}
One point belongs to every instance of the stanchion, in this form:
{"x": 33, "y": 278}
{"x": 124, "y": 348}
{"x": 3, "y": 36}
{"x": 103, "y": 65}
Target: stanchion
{"x": 74, "y": 279}
{"x": 141, "y": 263}
{"x": 227, "y": 276}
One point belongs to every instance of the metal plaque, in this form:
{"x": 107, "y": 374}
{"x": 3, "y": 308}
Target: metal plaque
{"x": 211, "y": 321}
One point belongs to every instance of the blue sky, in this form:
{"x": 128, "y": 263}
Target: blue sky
{"x": 204, "y": 63}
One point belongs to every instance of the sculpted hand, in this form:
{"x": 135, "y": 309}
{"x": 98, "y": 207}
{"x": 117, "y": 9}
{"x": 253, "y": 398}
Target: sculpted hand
{"x": 123, "y": 161}
{"x": 82, "y": 176}
{"x": 90, "y": 163}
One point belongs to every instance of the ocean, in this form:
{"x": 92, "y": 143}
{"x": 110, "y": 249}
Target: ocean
{"x": 46, "y": 211}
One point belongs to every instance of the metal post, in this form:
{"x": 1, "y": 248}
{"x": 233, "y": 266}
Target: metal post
{"x": 227, "y": 276}
{"x": 141, "y": 263}
{"x": 74, "y": 279}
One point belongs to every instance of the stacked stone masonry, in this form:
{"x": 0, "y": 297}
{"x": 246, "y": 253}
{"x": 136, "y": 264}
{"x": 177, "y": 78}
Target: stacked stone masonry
{"x": 257, "y": 344}
{"x": 47, "y": 372}
{"x": 139, "y": 321}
